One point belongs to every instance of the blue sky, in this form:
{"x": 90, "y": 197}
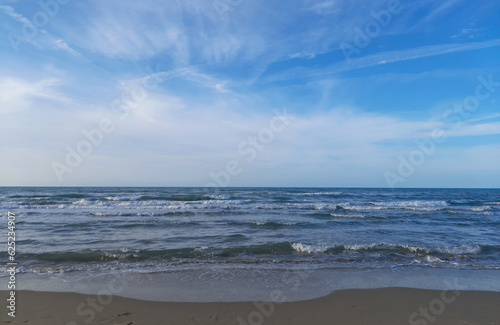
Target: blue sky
{"x": 250, "y": 93}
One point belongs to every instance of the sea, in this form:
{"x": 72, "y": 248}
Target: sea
{"x": 241, "y": 244}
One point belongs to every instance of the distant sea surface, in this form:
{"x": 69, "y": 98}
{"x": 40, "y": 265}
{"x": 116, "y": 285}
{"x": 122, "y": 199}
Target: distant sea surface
{"x": 155, "y": 230}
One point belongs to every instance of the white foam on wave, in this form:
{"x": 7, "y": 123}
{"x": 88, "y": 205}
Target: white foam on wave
{"x": 99, "y": 214}
{"x": 349, "y": 206}
{"x": 318, "y": 193}
{"x": 342, "y": 216}
{"x": 415, "y": 249}
{"x": 122, "y": 198}
{"x": 219, "y": 202}
{"x": 357, "y": 247}
{"x": 262, "y": 223}
{"x": 433, "y": 259}
{"x": 484, "y": 208}
{"x": 411, "y": 204}
{"x": 310, "y": 249}
{"x": 460, "y": 250}
{"x": 220, "y": 197}
{"x": 81, "y": 202}
{"x": 406, "y": 205}
{"x": 470, "y": 212}
{"x": 320, "y": 248}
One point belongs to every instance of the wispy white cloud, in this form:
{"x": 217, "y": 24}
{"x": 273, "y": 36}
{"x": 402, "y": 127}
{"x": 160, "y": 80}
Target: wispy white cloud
{"x": 383, "y": 58}
{"x": 192, "y": 33}
{"x": 133, "y": 30}
{"x": 324, "y": 7}
{"x": 63, "y": 46}
{"x": 183, "y": 143}
{"x": 188, "y": 73}
{"x": 470, "y": 32}
{"x": 477, "y": 129}
{"x": 210, "y": 97}
{"x": 42, "y": 39}
{"x": 9, "y": 11}
{"x": 17, "y": 95}
{"x": 441, "y": 9}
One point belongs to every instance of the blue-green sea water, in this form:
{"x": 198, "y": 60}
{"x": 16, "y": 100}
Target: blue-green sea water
{"x": 63, "y": 232}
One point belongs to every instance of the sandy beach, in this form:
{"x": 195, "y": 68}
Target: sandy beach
{"x": 372, "y": 306}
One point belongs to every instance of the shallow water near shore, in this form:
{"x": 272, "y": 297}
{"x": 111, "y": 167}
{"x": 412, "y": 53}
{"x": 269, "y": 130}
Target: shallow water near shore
{"x": 230, "y": 285}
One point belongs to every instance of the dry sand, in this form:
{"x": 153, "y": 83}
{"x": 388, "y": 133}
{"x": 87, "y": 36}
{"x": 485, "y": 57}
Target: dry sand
{"x": 371, "y": 306}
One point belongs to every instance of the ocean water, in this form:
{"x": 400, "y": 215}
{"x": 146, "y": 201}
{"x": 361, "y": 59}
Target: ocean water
{"x": 202, "y": 236}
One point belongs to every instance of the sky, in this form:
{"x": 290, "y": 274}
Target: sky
{"x": 330, "y": 93}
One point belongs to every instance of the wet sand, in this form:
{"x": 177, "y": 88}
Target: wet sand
{"x": 366, "y": 306}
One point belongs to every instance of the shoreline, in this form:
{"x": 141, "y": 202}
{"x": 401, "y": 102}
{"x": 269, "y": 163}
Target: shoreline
{"x": 252, "y": 284}
{"x": 393, "y": 305}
